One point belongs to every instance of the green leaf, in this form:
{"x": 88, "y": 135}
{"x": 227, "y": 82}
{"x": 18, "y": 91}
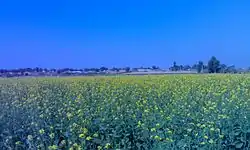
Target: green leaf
{"x": 237, "y": 133}
{"x": 181, "y": 144}
{"x": 248, "y": 131}
{"x": 97, "y": 141}
{"x": 145, "y": 134}
{"x": 239, "y": 145}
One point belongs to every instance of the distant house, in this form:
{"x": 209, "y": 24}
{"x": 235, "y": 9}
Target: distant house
{"x": 52, "y": 74}
{"x": 91, "y": 71}
{"x": 111, "y": 72}
{"x": 144, "y": 70}
{"x": 76, "y": 72}
{"x": 134, "y": 70}
{"x": 122, "y": 71}
{"x": 71, "y": 73}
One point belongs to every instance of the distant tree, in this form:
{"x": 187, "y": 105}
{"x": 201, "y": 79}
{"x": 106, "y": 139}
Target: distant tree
{"x": 53, "y": 70}
{"x": 181, "y": 67}
{"x": 86, "y": 69}
{"x": 200, "y": 67}
{"x": 186, "y": 67}
{"x": 45, "y": 70}
{"x": 115, "y": 69}
{"x": 231, "y": 69}
{"x": 59, "y": 71}
{"x": 154, "y": 67}
{"x": 3, "y": 71}
{"x": 205, "y": 67}
{"x": 127, "y": 69}
{"x": 213, "y": 65}
{"x": 223, "y": 68}
{"x": 71, "y": 69}
{"x": 241, "y": 70}
{"x": 134, "y": 70}
{"x": 194, "y": 67}
{"x": 175, "y": 67}
{"x": 95, "y": 69}
{"x": 28, "y": 69}
{"x": 103, "y": 68}
{"x": 37, "y": 69}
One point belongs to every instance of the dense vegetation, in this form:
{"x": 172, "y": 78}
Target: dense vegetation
{"x": 149, "y": 112}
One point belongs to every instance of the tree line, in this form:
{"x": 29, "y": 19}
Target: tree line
{"x": 213, "y": 66}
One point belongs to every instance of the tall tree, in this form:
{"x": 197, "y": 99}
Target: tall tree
{"x": 181, "y": 67}
{"x": 174, "y": 67}
{"x": 223, "y": 68}
{"x": 154, "y": 67}
{"x": 200, "y": 67}
{"x": 213, "y": 65}
{"x": 127, "y": 69}
{"x": 194, "y": 67}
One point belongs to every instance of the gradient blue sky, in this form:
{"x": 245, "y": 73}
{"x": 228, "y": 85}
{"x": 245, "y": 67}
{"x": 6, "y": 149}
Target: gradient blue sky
{"x": 93, "y": 33}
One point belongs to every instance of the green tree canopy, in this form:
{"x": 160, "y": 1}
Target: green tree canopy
{"x": 200, "y": 67}
{"x": 213, "y": 65}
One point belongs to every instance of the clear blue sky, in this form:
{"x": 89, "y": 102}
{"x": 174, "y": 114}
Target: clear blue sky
{"x": 93, "y": 33}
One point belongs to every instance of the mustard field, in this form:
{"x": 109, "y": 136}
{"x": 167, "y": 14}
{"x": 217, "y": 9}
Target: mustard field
{"x": 129, "y": 112}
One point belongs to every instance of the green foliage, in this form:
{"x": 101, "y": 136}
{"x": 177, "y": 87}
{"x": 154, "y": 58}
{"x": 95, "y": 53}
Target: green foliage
{"x": 214, "y": 65}
{"x": 149, "y": 112}
{"x": 200, "y": 67}
{"x": 174, "y": 67}
{"x": 127, "y": 69}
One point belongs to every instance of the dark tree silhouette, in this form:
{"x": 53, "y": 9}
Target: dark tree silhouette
{"x": 127, "y": 69}
{"x": 213, "y": 65}
{"x": 200, "y": 67}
